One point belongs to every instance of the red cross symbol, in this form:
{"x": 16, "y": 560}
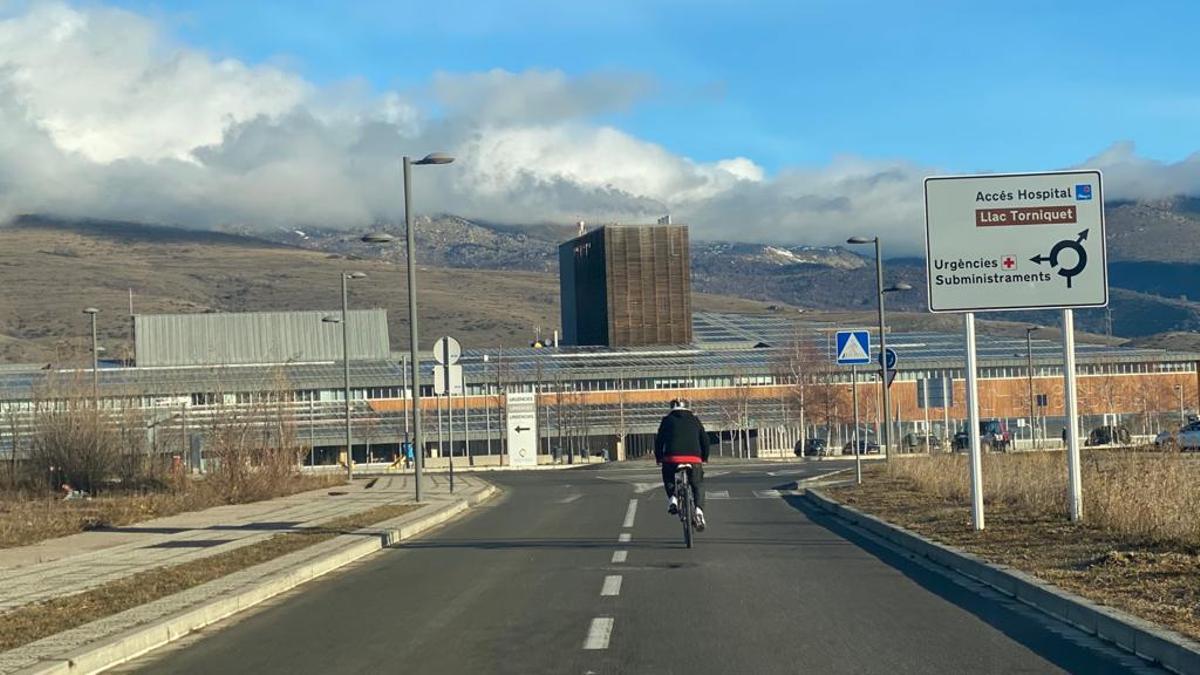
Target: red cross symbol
{"x": 1009, "y": 262}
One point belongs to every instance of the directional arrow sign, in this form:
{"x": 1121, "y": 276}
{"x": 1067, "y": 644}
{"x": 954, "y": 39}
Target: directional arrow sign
{"x": 521, "y": 409}
{"x": 1015, "y": 241}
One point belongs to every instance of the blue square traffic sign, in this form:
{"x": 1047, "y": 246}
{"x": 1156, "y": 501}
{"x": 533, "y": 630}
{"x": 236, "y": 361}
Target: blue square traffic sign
{"x": 853, "y": 348}
{"x": 1083, "y": 192}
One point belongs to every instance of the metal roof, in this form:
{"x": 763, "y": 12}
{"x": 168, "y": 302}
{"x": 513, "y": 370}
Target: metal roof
{"x": 724, "y": 347}
{"x": 256, "y": 337}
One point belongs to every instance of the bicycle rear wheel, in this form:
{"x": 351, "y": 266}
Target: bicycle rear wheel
{"x": 686, "y": 508}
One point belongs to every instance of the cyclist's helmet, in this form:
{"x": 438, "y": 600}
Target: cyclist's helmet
{"x": 680, "y": 404}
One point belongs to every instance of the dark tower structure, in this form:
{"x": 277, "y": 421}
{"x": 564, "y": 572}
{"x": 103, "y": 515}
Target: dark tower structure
{"x": 627, "y": 286}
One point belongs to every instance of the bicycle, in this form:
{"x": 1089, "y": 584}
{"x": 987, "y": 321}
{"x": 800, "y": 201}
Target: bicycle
{"x": 687, "y": 505}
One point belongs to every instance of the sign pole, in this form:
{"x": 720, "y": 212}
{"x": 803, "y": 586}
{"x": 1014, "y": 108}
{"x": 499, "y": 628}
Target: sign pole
{"x": 973, "y": 425}
{"x": 441, "y": 448}
{"x": 857, "y": 449}
{"x": 947, "y": 437}
{"x": 925, "y": 393}
{"x": 449, "y": 405}
{"x": 1072, "y": 412}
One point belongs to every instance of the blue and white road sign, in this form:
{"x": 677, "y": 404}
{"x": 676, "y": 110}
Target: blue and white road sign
{"x": 891, "y": 359}
{"x": 853, "y": 348}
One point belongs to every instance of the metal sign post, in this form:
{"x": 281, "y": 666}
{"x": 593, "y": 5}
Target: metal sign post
{"x": 857, "y": 444}
{"x": 973, "y": 424}
{"x": 447, "y": 352}
{"x": 1071, "y": 403}
{"x": 854, "y": 350}
{"x": 1017, "y": 242}
{"x": 925, "y": 394}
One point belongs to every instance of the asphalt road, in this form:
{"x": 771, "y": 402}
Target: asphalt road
{"x": 537, "y": 583}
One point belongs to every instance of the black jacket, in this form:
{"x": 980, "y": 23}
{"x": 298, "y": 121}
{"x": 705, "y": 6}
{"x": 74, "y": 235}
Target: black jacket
{"x": 680, "y": 433}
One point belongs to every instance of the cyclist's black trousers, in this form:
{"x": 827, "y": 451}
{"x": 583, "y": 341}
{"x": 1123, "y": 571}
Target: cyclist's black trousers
{"x": 696, "y": 480}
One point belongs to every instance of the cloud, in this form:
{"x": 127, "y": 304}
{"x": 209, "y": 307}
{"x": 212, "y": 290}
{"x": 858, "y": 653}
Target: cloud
{"x": 1128, "y": 176}
{"x": 103, "y": 116}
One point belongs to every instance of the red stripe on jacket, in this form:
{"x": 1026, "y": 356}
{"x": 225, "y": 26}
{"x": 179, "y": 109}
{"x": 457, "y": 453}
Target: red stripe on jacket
{"x": 683, "y": 459}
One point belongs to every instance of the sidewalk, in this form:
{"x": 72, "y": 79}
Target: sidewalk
{"x": 73, "y": 564}
{"x": 86, "y": 560}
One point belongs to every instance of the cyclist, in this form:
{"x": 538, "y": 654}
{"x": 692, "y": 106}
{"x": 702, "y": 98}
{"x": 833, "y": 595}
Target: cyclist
{"x": 681, "y": 439}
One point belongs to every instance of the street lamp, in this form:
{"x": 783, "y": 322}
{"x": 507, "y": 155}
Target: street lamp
{"x": 414, "y": 353}
{"x": 880, "y": 290}
{"x": 95, "y": 359}
{"x": 345, "y": 321}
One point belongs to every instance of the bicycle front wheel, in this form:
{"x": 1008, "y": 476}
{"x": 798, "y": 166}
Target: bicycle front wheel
{"x": 686, "y": 511}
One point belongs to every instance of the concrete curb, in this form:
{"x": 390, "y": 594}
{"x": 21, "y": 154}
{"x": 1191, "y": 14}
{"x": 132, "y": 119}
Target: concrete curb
{"x": 134, "y": 642}
{"x": 1150, "y": 641}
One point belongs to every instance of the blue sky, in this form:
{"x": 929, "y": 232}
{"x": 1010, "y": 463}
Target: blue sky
{"x": 964, "y": 86}
{"x": 791, "y": 122}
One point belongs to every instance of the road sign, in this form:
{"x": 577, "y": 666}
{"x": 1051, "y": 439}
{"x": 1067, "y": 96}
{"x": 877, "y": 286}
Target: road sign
{"x": 455, "y": 383}
{"x": 853, "y": 348}
{"x": 521, "y": 418}
{"x": 446, "y": 350}
{"x": 891, "y": 359}
{"x": 1015, "y": 242}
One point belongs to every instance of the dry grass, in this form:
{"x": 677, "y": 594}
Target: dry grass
{"x": 27, "y": 518}
{"x": 34, "y": 622}
{"x": 1140, "y": 496}
{"x": 1137, "y": 549}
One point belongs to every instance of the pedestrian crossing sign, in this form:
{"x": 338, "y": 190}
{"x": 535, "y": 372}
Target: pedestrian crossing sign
{"x": 853, "y": 348}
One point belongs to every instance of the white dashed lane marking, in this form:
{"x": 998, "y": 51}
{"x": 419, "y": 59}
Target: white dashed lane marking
{"x": 620, "y": 556}
{"x": 717, "y": 494}
{"x": 630, "y": 513}
{"x": 612, "y": 585}
{"x": 599, "y": 633}
{"x": 624, "y": 538}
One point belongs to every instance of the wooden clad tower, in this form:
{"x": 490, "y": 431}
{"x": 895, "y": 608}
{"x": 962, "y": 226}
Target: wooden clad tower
{"x": 627, "y": 286}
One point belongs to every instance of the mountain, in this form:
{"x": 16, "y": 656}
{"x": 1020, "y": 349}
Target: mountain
{"x": 1163, "y": 231}
{"x": 443, "y": 241}
{"x": 1154, "y": 265}
{"x": 1154, "y": 272}
{"x": 51, "y": 270}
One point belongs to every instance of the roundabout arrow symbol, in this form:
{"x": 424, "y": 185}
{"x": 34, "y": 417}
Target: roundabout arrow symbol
{"x": 1080, "y": 252}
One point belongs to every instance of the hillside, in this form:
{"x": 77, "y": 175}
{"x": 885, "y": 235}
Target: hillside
{"x": 492, "y": 283}
{"x": 1163, "y": 231}
{"x": 51, "y": 271}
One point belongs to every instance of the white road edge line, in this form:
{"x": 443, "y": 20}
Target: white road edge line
{"x": 612, "y": 585}
{"x": 630, "y": 513}
{"x": 599, "y": 633}
{"x": 620, "y": 556}
{"x": 568, "y": 500}
{"x": 624, "y": 538}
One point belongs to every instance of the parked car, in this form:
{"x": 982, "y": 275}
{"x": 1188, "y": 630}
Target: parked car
{"x": 813, "y": 447}
{"x": 1170, "y": 439}
{"x": 993, "y": 435}
{"x": 1165, "y": 439}
{"x": 1109, "y": 435}
{"x": 865, "y": 447}
{"x": 1188, "y": 438}
{"x": 918, "y": 442}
